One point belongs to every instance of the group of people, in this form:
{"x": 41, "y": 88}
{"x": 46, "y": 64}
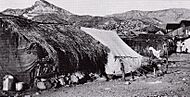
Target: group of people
{"x": 181, "y": 48}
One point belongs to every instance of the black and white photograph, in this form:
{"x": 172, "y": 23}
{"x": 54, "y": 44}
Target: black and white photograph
{"x": 94, "y": 48}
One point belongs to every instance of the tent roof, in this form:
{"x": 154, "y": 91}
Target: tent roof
{"x": 110, "y": 38}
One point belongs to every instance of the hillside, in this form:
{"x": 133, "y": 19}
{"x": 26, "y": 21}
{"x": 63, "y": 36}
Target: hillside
{"x": 40, "y": 7}
{"x": 160, "y": 16}
{"x": 134, "y": 20}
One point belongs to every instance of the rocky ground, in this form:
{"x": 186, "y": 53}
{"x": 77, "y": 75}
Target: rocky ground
{"x": 174, "y": 84}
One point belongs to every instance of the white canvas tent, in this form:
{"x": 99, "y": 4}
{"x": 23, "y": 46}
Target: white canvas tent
{"x": 118, "y": 49}
{"x": 186, "y": 45}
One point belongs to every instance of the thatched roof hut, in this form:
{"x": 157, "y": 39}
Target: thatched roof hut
{"x": 24, "y": 42}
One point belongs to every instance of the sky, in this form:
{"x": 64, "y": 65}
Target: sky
{"x": 101, "y": 7}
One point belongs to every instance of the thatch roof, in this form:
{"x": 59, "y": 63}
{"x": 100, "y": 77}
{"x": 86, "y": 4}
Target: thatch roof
{"x": 70, "y": 48}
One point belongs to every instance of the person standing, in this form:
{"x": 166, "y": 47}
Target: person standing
{"x": 122, "y": 69}
{"x": 179, "y": 47}
{"x": 184, "y": 48}
{"x": 165, "y": 56}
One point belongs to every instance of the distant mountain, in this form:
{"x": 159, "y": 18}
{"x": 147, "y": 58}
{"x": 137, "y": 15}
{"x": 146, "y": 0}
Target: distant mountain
{"x": 43, "y": 11}
{"x": 161, "y": 16}
{"x": 40, "y": 8}
{"x": 135, "y": 20}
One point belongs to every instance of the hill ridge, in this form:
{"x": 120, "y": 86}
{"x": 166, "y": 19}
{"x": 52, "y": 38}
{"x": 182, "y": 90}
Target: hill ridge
{"x": 134, "y": 20}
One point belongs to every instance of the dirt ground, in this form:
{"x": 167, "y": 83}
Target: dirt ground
{"x": 174, "y": 84}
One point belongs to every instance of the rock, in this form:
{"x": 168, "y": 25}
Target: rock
{"x": 27, "y": 96}
{"x": 37, "y": 93}
{"x": 127, "y": 83}
{"x": 107, "y": 89}
{"x": 61, "y": 81}
{"x": 101, "y": 79}
{"x": 74, "y": 79}
{"x": 79, "y": 75}
{"x": 41, "y": 85}
{"x": 184, "y": 79}
{"x": 174, "y": 65}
